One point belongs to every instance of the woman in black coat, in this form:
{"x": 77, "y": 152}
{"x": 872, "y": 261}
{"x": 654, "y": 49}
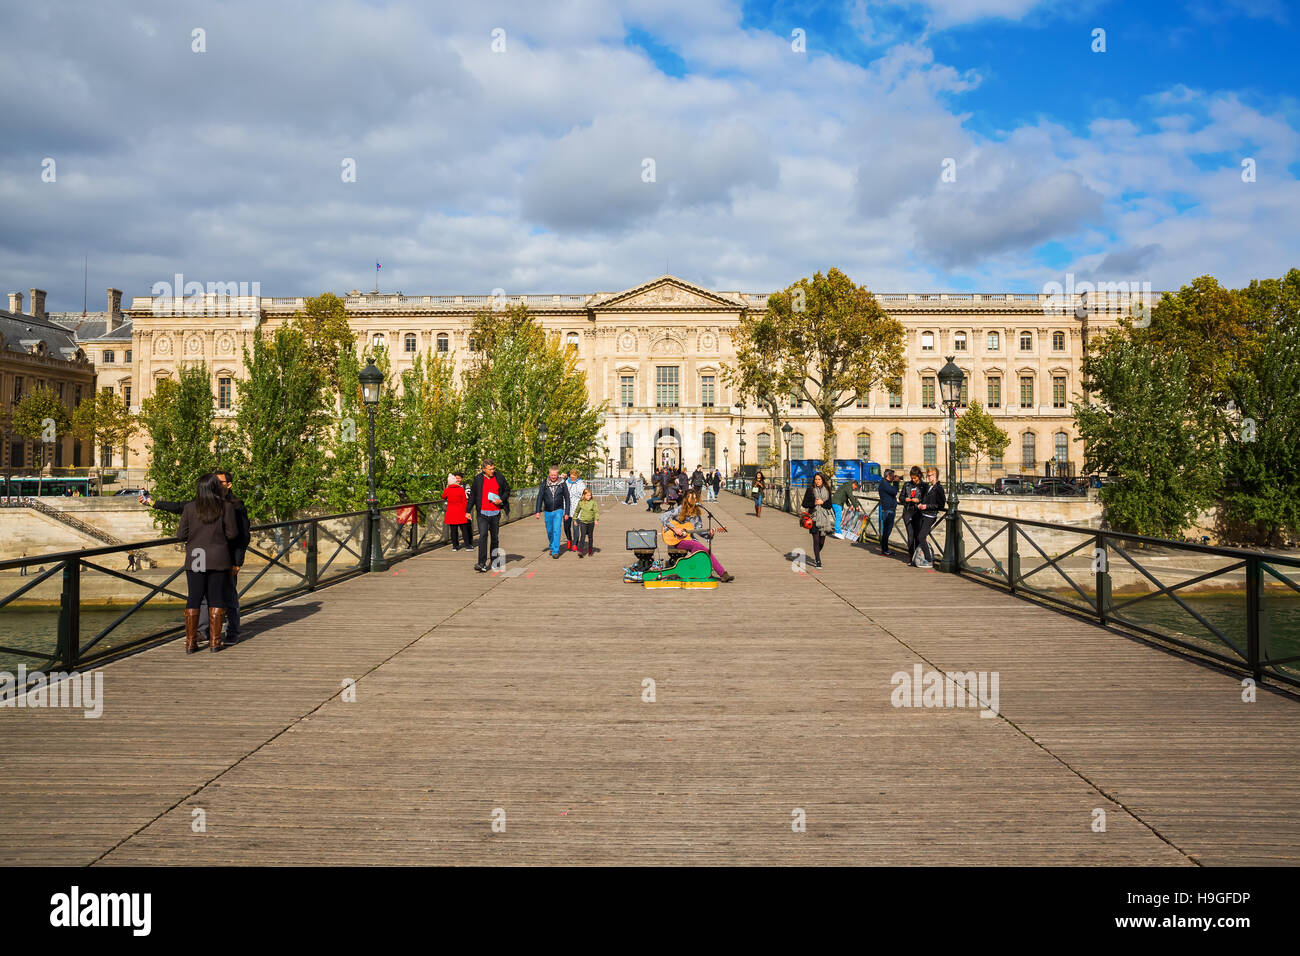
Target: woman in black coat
{"x": 817, "y": 502}
{"x": 912, "y": 495}
{"x": 932, "y": 504}
{"x": 207, "y": 525}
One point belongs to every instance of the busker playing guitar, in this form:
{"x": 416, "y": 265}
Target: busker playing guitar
{"x": 682, "y": 530}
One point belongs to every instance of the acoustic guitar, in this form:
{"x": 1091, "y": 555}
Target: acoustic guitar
{"x": 678, "y": 531}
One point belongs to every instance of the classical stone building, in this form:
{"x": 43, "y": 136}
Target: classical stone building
{"x": 36, "y": 352}
{"x": 656, "y": 352}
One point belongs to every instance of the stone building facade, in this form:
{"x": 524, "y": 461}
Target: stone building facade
{"x": 36, "y": 352}
{"x": 655, "y": 354}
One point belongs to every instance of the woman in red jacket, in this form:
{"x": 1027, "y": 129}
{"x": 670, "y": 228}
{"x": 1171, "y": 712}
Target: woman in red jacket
{"x": 456, "y": 516}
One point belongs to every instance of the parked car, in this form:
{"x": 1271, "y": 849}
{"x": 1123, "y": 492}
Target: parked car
{"x": 1012, "y": 485}
{"x": 973, "y": 488}
{"x": 1058, "y": 488}
{"x": 133, "y": 492}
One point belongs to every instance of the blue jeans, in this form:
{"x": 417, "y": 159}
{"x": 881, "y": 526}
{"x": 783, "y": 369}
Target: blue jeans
{"x": 839, "y": 511}
{"x": 554, "y": 528}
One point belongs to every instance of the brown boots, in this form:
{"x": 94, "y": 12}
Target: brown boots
{"x": 216, "y": 617}
{"x": 758, "y": 511}
{"x": 191, "y": 630}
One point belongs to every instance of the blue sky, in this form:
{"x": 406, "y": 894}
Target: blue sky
{"x": 523, "y": 167}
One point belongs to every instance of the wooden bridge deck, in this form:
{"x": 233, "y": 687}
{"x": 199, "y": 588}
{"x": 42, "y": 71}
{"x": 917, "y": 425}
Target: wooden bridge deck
{"x": 524, "y": 692}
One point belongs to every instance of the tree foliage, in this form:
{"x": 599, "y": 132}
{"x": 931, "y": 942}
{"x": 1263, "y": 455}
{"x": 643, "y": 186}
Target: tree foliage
{"x": 177, "y": 420}
{"x": 825, "y": 340}
{"x": 104, "y": 419}
{"x": 33, "y": 415}
{"x": 1144, "y": 418}
{"x": 323, "y": 321}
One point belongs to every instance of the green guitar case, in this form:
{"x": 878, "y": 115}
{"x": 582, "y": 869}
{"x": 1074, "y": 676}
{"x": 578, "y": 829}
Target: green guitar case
{"x": 692, "y": 567}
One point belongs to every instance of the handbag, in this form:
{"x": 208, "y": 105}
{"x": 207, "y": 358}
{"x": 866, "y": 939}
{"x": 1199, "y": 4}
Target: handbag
{"x": 807, "y": 522}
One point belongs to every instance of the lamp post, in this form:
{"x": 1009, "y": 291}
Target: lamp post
{"x": 726, "y": 465}
{"x": 950, "y": 379}
{"x": 786, "y": 431}
{"x": 541, "y": 433}
{"x": 742, "y": 456}
{"x": 371, "y": 379}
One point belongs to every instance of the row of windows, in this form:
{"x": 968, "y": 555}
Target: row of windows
{"x": 960, "y": 341}
{"x": 62, "y": 390}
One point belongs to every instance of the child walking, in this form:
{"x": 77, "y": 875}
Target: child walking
{"x": 587, "y": 516}
{"x": 456, "y": 516}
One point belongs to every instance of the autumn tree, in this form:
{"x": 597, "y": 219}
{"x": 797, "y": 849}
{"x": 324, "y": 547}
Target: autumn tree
{"x": 39, "y": 416}
{"x": 104, "y": 419}
{"x": 323, "y": 321}
{"x": 831, "y": 342}
{"x": 756, "y": 376}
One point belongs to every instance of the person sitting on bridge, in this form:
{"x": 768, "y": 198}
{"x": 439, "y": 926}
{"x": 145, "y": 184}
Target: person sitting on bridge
{"x": 689, "y": 512}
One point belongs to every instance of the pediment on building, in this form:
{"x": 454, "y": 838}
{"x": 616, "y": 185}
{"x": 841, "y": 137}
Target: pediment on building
{"x": 667, "y": 293}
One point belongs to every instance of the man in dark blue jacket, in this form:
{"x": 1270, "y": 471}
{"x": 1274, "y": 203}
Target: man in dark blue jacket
{"x": 553, "y": 503}
{"x": 888, "y": 491}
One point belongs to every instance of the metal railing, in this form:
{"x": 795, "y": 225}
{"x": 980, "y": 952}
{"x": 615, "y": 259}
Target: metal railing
{"x": 75, "y": 609}
{"x": 1238, "y": 607}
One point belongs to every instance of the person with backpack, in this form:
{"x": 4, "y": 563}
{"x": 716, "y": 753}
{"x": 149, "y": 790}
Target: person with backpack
{"x": 586, "y": 515}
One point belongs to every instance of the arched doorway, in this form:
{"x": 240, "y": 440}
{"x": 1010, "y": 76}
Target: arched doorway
{"x": 668, "y": 448}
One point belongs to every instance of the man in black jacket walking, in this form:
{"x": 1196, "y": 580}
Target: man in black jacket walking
{"x": 489, "y": 497}
{"x": 888, "y": 491}
{"x": 238, "y": 552}
{"x": 552, "y": 506}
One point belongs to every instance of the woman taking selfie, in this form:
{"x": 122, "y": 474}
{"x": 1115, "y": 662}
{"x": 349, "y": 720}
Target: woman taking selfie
{"x": 207, "y": 525}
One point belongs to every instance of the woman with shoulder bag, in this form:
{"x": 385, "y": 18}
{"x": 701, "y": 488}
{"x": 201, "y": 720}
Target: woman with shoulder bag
{"x": 816, "y": 506}
{"x": 759, "y": 487}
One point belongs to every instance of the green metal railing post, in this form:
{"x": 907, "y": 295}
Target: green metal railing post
{"x": 1013, "y": 557}
{"x": 70, "y": 614}
{"x": 313, "y": 573}
{"x": 1254, "y": 611}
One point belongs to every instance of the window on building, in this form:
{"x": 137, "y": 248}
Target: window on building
{"x": 1026, "y": 391}
{"x": 472, "y": 343}
{"x": 126, "y": 395}
{"x": 76, "y": 397}
{"x": 764, "y": 448}
{"x": 927, "y": 391}
{"x": 444, "y": 343}
{"x": 1062, "y": 450}
{"x": 1026, "y": 341}
{"x": 709, "y": 452}
{"x": 929, "y": 443}
{"x": 995, "y": 460}
{"x": 927, "y": 341}
{"x": 59, "y": 391}
{"x": 105, "y": 455}
{"x": 626, "y": 390}
{"x": 18, "y": 389}
{"x": 1058, "y": 341}
{"x": 571, "y": 341}
{"x": 1028, "y": 455}
{"x": 707, "y": 395}
{"x": 796, "y": 446}
{"x": 109, "y": 357}
{"x": 896, "y": 450}
{"x": 126, "y": 356}
{"x": 76, "y": 454}
{"x": 408, "y": 342}
{"x": 995, "y": 341}
{"x": 864, "y": 401}
{"x": 896, "y": 395}
{"x": 667, "y": 386}
{"x": 224, "y": 391}
{"x": 377, "y": 340}
{"x": 959, "y": 341}
{"x": 864, "y": 446}
{"x": 625, "y": 450}
{"x": 995, "y": 391}
{"x": 107, "y": 389}
{"x": 965, "y": 391}
{"x": 1058, "y": 391}
{"x": 17, "y": 454}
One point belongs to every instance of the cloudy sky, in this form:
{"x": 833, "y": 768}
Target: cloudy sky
{"x": 511, "y": 145}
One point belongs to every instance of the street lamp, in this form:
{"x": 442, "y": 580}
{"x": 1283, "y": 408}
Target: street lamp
{"x": 742, "y": 456}
{"x": 950, "y": 380}
{"x": 786, "y": 431}
{"x": 726, "y": 465}
{"x": 371, "y": 379}
{"x": 541, "y": 433}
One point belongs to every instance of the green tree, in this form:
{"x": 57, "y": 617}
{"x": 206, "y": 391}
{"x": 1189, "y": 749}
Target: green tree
{"x": 979, "y": 437}
{"x": 323, "y": 321}
{"x": 281, "y": 427}
{"x": 757, "y": 376}
{"x": 346, "y": 481}
{"x": 177, "y": 420}
{"x": 1261, "y": 495}
{"x": 104, "y": 419}
{"x": 39, "y": 416}
{"x": 430, "y": 443}
{"x": 1145, "y": 419}
{"x": 519, "y": 377}
{"x": 831, "y": 341}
